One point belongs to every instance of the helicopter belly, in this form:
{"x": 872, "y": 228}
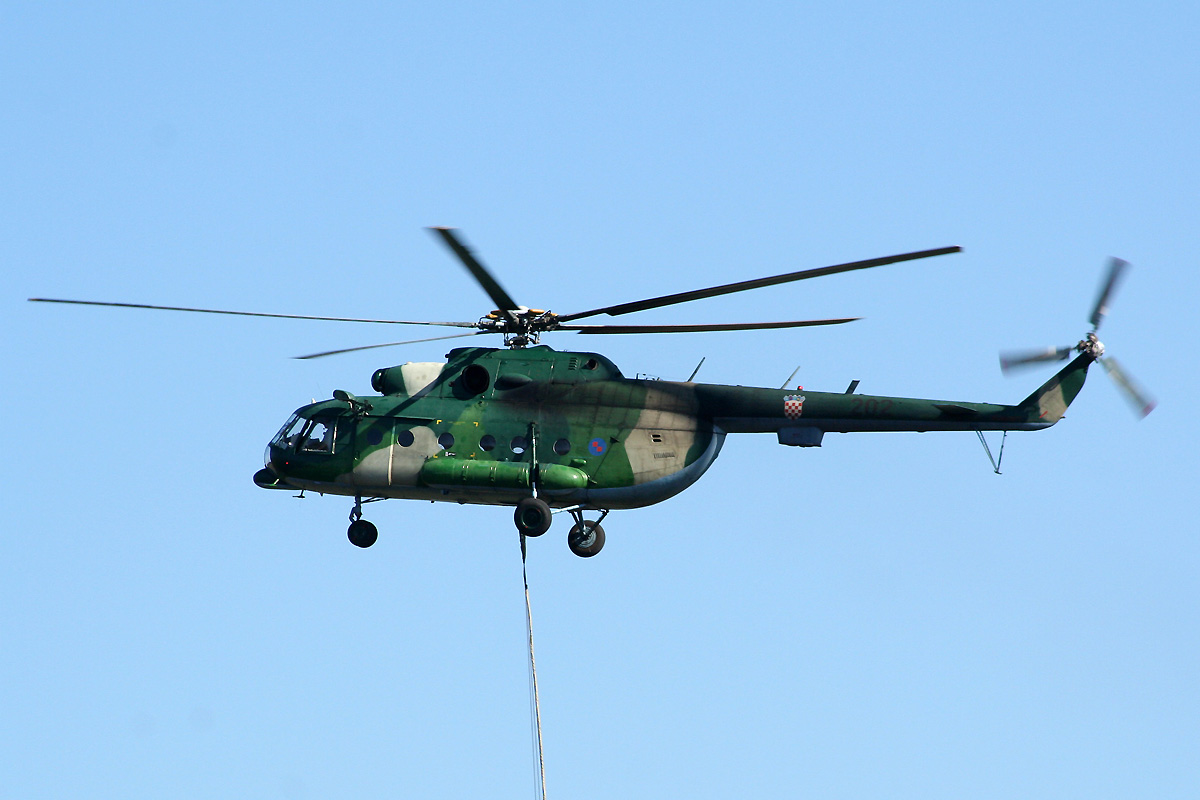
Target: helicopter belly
{"x": 472, "y": 495}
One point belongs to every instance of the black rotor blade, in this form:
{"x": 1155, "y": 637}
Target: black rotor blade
{"x": 387, "y": 344}
{"x": 726, "y": 326}
{"x": 741, "y": 286}
{"x": 249, "y": 313}
{"x": 1142, "y": 403}
{"x": 1116, "y": 268}
{"x": 494, "y": 290}
{"x": 1025, "y": 358}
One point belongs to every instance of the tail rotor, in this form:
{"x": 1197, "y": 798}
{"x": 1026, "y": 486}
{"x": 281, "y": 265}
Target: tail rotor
{"x": 1090, "y": 345}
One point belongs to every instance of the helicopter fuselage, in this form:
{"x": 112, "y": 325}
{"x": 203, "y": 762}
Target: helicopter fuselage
{"x": 492, "y": 426}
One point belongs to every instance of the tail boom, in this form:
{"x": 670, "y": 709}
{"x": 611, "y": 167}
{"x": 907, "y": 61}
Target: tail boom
{"x": 738, "y": 409}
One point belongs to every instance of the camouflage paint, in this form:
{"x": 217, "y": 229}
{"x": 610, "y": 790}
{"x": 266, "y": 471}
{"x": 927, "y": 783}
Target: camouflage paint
{"x": 454, "y": 432}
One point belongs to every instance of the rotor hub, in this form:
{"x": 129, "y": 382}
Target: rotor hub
{"x": 1091, "y": 346}
{"x": 521, "y": 327}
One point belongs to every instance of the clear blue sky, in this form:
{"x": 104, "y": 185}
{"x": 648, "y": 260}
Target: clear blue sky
{"x": 882, "y": 617}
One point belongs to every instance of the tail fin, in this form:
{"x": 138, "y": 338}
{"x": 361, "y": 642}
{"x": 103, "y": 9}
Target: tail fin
{"x": 1049, "y": 403}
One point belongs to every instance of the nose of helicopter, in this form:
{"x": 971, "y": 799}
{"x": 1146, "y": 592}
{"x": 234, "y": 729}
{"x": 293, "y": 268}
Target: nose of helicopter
{"x": 269, "y": 476}
{"x": 266, "y": 478}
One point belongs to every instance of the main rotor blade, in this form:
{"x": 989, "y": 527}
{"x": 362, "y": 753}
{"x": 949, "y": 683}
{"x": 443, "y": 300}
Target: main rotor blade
{"x": 1141, "y": 402}
{"x": 1116, "y": 268}
{"x": 249, "y": 313}
{"x": 1023, "y": 358}
{"x": 500, "y": 297}
{"x": 741, "y": 286}
{"x": 727, "y": 326}
{"x": 387, "y": 344}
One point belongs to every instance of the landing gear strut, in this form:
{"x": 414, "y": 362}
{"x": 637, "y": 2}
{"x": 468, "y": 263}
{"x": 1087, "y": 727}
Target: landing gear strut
{"x": 360, "y": 533}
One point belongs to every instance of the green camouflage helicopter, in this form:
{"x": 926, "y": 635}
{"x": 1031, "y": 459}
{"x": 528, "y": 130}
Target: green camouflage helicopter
{"x": 548, "y": 431}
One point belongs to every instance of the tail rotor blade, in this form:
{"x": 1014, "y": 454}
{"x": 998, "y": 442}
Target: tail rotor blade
{"x": 1024, "y": 358}
{"x": 1142, "y": 403}
{"x": 1116, "y": 269}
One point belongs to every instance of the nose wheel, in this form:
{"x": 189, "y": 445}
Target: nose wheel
{"x": 360, "y": 533}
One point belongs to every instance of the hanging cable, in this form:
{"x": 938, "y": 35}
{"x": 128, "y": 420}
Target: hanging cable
{"x": 539, "y": 755}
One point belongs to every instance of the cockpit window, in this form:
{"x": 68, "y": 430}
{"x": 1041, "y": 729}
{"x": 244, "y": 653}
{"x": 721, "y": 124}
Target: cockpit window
{"x": 318, "y": 437}
{"x": 307, "y": 435}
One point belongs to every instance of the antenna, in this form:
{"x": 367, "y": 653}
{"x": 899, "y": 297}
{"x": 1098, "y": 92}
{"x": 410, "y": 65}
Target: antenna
{"x": 789, "y": 377}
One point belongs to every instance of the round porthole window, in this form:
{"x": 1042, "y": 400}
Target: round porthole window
{"x": 562, "y": 447}
{"x": 405, "y": 438}
{"x": 487, "y": 443}
{"x": 518, "y": 445}
{"x": 446, "y": 440}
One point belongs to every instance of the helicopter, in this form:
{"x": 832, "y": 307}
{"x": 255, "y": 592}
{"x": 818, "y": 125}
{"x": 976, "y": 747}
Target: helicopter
{"x": 548, "y": 431}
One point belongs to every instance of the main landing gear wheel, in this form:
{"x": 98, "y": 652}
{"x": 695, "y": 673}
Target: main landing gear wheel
{"x": 533, "y": 516}
{"x": 362, "y": 533}
{"x": 586, "y": 538}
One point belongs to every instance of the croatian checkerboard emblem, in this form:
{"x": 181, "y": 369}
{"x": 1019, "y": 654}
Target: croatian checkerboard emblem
{"x": 793, "y": 404}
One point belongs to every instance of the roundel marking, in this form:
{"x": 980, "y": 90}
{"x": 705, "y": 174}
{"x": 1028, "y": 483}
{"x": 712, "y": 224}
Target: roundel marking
{"x": 597, "y": 446}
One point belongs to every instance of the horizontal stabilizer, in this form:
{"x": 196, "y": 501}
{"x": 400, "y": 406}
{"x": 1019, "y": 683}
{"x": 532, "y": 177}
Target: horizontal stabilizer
{"x": 956, "y": 411}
